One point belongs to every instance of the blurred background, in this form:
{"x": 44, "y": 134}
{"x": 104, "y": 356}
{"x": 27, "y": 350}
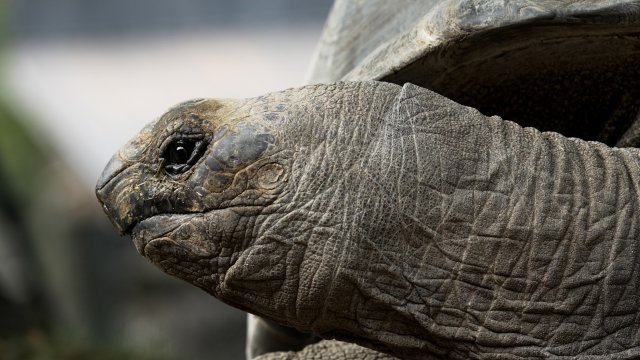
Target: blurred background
{"x": 77, "y": 79}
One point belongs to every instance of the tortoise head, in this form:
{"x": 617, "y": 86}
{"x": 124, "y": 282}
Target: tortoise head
{"x": 221, "y": 193}
{"x": 181, "y": 186}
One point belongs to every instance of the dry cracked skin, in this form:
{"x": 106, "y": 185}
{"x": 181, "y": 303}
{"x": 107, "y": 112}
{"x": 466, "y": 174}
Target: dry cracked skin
{"x": 390, "y": 217}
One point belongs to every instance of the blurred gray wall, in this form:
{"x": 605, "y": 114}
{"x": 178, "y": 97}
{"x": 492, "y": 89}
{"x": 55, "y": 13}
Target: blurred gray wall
{"x": 60, "y": 18}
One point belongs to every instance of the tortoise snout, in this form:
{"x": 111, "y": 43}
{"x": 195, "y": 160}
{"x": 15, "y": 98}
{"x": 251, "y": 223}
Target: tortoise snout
{"x": 115, "y": 186}
{"x": 113, "y": 168}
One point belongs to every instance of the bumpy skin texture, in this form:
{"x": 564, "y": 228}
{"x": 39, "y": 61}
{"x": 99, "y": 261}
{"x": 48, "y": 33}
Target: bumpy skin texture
{"x": 329, "y": 350}
{"x": 393, "y": 218}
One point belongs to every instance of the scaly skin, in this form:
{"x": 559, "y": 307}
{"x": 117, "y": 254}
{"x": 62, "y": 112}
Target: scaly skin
{"x": 329, "y": 350}
{"x": 393, "y": 218}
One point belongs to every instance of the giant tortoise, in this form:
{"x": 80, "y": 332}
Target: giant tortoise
{"x": 468, "y": 188}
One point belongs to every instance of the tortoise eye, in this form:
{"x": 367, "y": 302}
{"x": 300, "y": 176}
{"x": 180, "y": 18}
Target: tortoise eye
{"x": 180, "y": 154}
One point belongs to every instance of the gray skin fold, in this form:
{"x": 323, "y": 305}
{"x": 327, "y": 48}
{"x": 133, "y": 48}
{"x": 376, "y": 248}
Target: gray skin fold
{"x": 394, "y": 218}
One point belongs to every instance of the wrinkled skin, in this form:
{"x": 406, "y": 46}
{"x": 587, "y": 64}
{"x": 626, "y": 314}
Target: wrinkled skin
{"x": 328, "y": 350}
{"x": 393, "y": 218}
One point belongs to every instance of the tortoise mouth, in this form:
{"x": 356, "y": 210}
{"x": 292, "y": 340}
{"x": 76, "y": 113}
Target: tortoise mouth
{"x": 165, "y": 236}
{"x": 189, "y": 230}
{"x": 578, "y": 80}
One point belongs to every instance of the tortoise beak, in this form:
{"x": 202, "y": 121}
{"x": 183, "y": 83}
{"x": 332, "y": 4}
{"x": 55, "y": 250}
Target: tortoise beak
{"x": 114, "y": 167}
{"x": 115, "y": 188}
{"x": 109, "y": 190}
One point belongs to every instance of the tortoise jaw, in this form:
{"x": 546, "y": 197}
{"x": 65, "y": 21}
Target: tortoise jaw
{"x": 153, "y": 228}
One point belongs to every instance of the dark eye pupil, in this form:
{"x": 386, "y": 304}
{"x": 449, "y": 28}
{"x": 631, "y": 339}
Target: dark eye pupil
{"x": 179, "y": 152}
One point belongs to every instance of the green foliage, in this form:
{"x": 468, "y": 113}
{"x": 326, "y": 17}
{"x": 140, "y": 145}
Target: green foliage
{"x": 21, "y": 158}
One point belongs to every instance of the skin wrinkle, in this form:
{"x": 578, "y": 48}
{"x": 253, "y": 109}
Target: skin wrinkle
{"x": 348, "y": 171}
{"x": 469, "y": 322}
{"x": 483, "y": 239}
